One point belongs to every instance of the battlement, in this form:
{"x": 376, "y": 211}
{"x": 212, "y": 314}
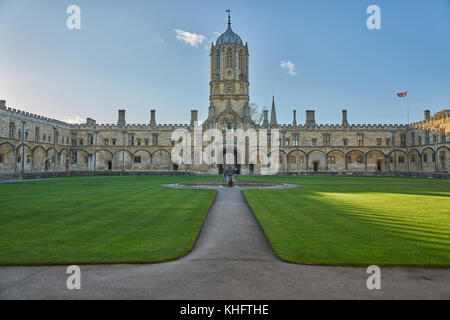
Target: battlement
{"x": 338, "y": 127}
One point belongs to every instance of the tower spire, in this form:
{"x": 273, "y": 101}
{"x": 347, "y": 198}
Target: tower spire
{"x": 273, "y": 113}
{"x": 229, "y": 17}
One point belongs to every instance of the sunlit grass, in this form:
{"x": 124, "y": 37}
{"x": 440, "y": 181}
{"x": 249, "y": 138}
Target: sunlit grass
{"x": 99, "y": 220}
{"x": 356, "y": 225}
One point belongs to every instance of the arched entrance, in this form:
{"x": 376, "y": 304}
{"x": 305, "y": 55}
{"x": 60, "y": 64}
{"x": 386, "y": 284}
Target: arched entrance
{"x": 229, "y": 159}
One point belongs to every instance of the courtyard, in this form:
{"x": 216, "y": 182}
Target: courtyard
{"x": 134, "y": 237}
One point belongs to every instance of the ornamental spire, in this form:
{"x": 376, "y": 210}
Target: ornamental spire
{"x": 229, "y": 17}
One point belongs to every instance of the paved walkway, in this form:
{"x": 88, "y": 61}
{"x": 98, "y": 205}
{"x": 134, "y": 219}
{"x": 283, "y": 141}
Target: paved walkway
{"x": 231, "y": 259}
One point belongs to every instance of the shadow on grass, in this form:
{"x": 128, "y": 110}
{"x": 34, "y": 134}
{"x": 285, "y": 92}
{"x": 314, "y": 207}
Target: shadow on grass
{"x": 343, "y": 225}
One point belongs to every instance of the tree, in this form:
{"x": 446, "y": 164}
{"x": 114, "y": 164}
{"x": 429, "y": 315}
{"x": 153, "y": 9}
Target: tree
{"x": 256, "y": 113}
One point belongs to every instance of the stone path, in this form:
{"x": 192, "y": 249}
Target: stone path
{"x": 231, "y": 259}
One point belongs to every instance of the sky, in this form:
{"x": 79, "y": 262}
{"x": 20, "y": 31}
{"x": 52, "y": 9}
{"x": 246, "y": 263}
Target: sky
{"x": 142, "y": 55}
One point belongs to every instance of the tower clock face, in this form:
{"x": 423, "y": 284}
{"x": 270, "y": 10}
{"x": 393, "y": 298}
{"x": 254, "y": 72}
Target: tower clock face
{"x": 229, "y": 89}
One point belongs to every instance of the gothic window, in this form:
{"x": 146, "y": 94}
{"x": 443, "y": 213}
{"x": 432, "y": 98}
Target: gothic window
{"x": 378, "y": 141}
{"x": 137, "y": 159}
{"x": 420, "y": 140}
{"x": 326, "y": 139}
{"x": 403, "y": 139}
{"x": 12, "y": 129}
{"x": 73, "y": 156}
{"x": 401, "y": 159}
{"x": 241, "y": 61}
{"x": 114, "y": 141}
{"x": 105, "y": 142}
{"x": 36, "y": 134}
{"x": 413, "y": 158}
{"x": 155, "y": 140}
{"x": 360, "y": 139}
{"x": 131, "y": 140}
{"x": 90, "y": 139}
{"x": 1, "y": 158}
{"x": 74, "y": 140}
{"x": 345, "y": 142}
{"x": 332, "y": 159}
{"x": 295, "y": 140}
{"x": 360, "y": 159}
{"x": 229, "y": 58}
{"x": 388, "y": 141}
{"x": 413, "y": 138}
{"x": 217, "y": 62}
{"x": 138, "y": 141}
{"x": 19, "y": 158}
{"x": 146, "y": 141}
{"x": 291, "y": 159}
{"x": 314, "y": 142}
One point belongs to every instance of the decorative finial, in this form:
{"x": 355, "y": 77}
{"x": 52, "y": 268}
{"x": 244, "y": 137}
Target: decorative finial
{"x": 229, "y": 17}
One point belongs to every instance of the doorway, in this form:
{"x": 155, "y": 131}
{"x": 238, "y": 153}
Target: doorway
{"x": 379, "y": 165}
{"x": 316, "y": 166}
{"x": 109, "y": 165}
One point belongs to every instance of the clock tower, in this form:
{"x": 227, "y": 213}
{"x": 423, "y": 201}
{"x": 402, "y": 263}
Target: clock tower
{"x": 229, "y": 85}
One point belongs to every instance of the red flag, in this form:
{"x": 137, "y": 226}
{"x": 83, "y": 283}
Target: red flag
{"x": 402, "y": 94}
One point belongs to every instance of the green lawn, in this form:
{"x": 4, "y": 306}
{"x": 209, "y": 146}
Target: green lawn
{"x": 100, "y": 220}
{"x": 356, "y": 221}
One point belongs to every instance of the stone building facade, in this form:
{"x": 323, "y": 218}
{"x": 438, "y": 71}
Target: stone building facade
{"x": 32, "y": 144}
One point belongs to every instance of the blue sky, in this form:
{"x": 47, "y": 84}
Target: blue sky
{"x": 127, "y": 56}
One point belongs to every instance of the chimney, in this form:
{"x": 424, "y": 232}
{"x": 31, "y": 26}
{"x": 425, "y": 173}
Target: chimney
{"x": 153, "y": 117}
{"x": 294, "y": 122}
{"x": 427, "y": 115}
{"x": 2, "y": 104}
{"x": 266, "y": 117}
{"x": 90, "y": 122}
{"x": 121, "y": 121}
{"x": 194, "y": 116}
{"x": 310, "y": 118}
{"x": 344, "y": 118}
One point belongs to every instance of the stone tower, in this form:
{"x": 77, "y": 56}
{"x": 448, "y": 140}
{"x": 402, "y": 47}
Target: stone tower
{"x": 229, "y": 85}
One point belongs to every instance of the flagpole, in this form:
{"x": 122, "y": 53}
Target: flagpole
{"x": 407, "y": 106}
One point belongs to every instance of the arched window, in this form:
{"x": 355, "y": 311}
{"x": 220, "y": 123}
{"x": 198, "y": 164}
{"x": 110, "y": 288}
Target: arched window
{"x": 229, "y": 58}
{"x": 217, "y": 60}
{"x": 241, "y": 61}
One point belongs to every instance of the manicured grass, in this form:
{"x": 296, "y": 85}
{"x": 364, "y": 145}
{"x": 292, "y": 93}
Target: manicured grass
{"x": 356, "y": 221}
{"x": 100, "y": 220}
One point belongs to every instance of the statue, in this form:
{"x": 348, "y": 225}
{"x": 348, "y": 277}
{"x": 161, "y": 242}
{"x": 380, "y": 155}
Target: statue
{"x": 230, "y": 178}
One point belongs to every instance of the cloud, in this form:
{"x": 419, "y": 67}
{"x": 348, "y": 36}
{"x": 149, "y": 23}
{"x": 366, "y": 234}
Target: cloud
{"x": 76, "y": 120}
{"x": 193, "y": 39}
{"x": 289, "y": 66}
